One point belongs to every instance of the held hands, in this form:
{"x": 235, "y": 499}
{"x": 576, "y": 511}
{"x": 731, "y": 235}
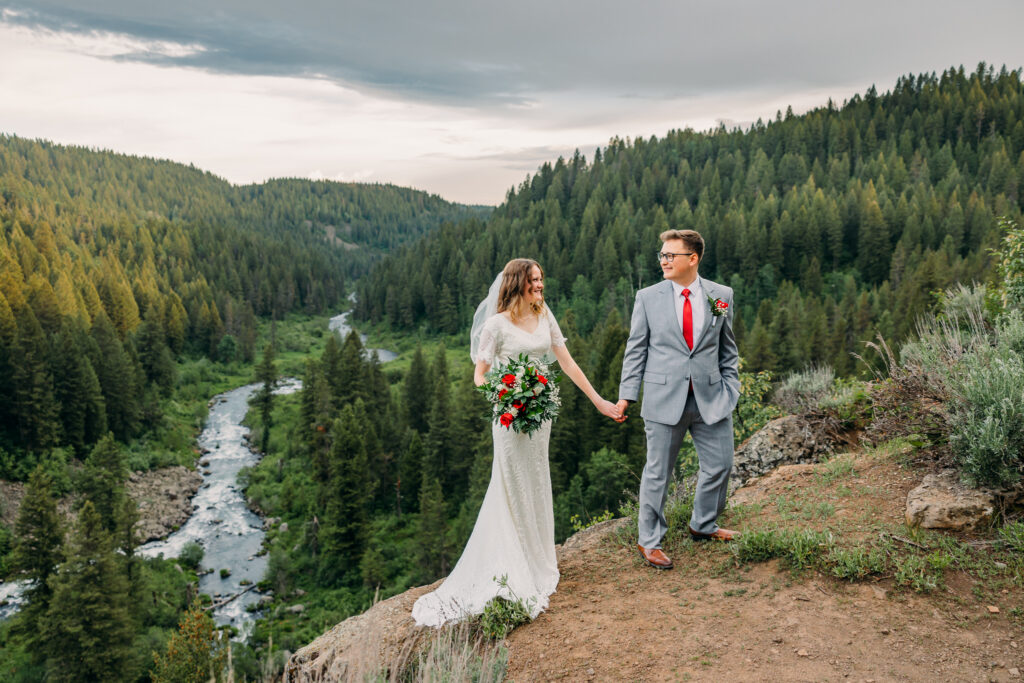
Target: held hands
{"x": 612, "y": 410}
{"x": 622, "y": 405}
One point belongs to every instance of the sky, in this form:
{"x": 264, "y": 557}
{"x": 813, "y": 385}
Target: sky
{"x": 462, "y": 99}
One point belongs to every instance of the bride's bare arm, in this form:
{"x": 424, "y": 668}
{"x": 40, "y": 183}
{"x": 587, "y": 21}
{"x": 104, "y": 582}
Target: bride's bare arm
{"x": 579, "y": 378}
{"x": 482, "y": 367}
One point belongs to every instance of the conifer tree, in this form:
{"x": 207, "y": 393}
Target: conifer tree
{"x": 266, "y": 375}
{"x": 416, "y": 393}
{"x": 37, "y": 554}
{"x": 410, "y": 473}
{"x": 433, "y": 526}
{"x": 344, "y": 526}
{"x": 88, "y": 628}
{"x": 102, "y": 482}
{"x": 35, "y": 408}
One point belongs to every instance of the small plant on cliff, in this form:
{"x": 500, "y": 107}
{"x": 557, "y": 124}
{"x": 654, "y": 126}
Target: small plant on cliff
{"x": 195, "y": 654}
{"x": 502, "y": 615}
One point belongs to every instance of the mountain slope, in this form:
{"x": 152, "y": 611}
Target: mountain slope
{"x": 831, "y": 225}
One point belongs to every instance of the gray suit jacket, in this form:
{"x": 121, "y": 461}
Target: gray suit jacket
{"x": 657, "y": 354}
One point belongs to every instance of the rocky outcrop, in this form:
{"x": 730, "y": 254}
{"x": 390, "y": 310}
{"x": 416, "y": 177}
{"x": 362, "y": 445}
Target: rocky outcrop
{"x": 942, "y": 501}
{"x": 385, "y": 637}
{"x": 788, "y": 440}
{"x": 164, "y": 497}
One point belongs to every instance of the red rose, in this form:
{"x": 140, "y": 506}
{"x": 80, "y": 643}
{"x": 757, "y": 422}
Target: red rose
{"x": 518, "y": 405}
{"x": 501, "y": 394}
{"x": 542, "y": 379}
{"x": 506, "y": 419}
{"x": 722, "y": 304}
{"x": 508, "y": 380}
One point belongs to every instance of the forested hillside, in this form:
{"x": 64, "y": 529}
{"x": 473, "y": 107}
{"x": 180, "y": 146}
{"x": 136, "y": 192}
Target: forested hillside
{"x": 112, "y": 266}
{"x": 831, "y": 226}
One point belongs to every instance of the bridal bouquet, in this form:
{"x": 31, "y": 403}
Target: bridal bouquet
{"x": 523, "y": 393}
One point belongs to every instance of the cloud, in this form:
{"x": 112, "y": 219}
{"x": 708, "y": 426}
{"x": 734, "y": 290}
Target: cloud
{"x": 515, "y": 55}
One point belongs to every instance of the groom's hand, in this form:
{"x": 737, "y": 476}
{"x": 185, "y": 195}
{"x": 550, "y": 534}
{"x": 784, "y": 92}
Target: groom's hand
{"x": 622, "y": 405}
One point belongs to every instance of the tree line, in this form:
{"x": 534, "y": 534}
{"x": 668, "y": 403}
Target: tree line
{"x": 112, "y": 267}
{"x": 832, "y": 226}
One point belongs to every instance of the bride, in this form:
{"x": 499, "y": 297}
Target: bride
{"x": 514, "y": 535}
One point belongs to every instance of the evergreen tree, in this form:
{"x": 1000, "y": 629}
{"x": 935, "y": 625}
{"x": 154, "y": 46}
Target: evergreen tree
{"x": 36, "y": 554}
{"x": 102, "y": 483}
{"x": 83, "y": 413}
{"x": 266, "y": 376}
{"x": 118, "y": 379}
{"x": 34, "y": 405}
{"x": 344, "y": 526}
{"x": 440, "y": 443}
{"x": 432, "y": 546}
{"x": 410, "y": 473}
{"x": 416, "y": 393}
{"x": 88, "y": 628}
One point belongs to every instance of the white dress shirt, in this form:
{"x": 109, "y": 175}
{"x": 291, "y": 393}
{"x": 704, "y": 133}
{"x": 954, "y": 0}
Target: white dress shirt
{"x": 697, "y": 306}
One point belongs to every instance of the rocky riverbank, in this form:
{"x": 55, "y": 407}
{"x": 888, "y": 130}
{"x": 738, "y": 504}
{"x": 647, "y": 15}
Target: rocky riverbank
{"x": 164, "y": 497}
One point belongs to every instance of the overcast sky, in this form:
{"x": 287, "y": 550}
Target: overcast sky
{"x": 463, "y": 99}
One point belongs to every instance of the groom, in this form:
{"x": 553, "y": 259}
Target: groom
{"x": 682, "y": 346}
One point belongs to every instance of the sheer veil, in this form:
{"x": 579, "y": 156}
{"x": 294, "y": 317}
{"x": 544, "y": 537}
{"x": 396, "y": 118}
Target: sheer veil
{"x": 487, "y": 308}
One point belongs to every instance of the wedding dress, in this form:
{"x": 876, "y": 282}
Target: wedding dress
{"x": 514, "y": 535}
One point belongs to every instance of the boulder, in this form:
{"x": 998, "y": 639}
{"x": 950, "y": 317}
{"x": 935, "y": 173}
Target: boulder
{"x": 786, "y": 440}
{"x": 942, "y": 501}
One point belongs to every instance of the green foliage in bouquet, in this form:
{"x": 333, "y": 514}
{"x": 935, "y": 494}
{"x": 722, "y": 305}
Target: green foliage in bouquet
{"x": 523, "y": 394}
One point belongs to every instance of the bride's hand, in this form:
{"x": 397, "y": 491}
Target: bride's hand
{"x": 609, "y": 409}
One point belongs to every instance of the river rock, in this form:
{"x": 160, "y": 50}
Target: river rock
{"x": 942, "y": 501}
{"x": 164, "y": 498}
{"x": 296, "y": 609}
{"x": 786, "y": 440}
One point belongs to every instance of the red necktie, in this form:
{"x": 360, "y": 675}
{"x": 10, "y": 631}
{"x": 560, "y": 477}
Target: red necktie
{"x": 688, "y": 326}
{"x": 687, "y": 320}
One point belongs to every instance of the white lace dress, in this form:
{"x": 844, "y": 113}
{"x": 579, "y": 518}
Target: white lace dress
{"x": 514, "y": 535}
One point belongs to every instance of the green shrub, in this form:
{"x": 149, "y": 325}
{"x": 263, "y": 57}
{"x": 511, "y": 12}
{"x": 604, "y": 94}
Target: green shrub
{"x": 502, "y": 615}
{"x": 855, "y": 563}
{"x": 804, "y": 391}
{"x": 987, "y": 420}
{"x": 798, "y": 549}
{"x": 922, "y": 573}
{"x": 191, "y": 555}
{"x": 1011, "y": 536}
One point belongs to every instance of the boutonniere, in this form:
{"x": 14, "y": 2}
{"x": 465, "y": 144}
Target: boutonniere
{"x": 718, "y": 308}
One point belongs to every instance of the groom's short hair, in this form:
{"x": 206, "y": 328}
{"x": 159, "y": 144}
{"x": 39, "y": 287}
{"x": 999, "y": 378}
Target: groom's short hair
{"x": 691, "y": 238}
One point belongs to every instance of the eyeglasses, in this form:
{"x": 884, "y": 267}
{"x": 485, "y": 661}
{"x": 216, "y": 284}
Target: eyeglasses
{"x": 669, "y": 256}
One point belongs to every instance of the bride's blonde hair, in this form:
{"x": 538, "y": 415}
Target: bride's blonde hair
{"x": 515, "y": 279}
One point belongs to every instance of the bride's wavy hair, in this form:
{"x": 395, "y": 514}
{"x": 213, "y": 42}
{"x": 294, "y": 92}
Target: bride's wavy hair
{"x": 514, "y": 281}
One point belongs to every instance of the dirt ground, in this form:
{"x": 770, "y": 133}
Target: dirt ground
{"x": 615, "y": 619}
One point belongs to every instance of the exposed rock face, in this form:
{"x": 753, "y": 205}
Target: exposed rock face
{"x": 942, "y": 501}
{"x": 386, "y": 635}
{"x": 783, "y": 441}
{"x": 164, "y": 497}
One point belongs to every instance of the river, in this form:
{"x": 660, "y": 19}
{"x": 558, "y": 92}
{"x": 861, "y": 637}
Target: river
{"x": 221, "y": 522}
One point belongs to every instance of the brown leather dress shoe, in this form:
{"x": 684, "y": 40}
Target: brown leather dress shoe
{"x": 719, "y": 535}
{"x": 655, "y": 557}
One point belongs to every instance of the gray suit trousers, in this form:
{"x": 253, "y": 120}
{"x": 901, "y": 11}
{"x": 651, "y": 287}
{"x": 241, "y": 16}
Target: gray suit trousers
{"x": 714, "y": 444}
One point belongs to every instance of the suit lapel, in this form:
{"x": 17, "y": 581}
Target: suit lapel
{"x": 670, "y": 307}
